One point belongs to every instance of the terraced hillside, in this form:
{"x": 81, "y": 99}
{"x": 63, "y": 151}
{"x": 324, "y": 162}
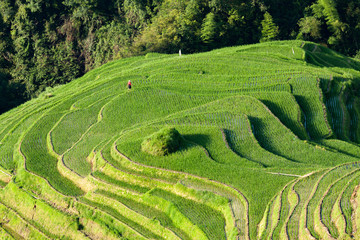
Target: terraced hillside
{"x": 269, "y": 149}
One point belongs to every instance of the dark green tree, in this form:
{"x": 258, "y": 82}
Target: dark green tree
{"x": 210, "y": 29}
{"x": 349, "y": 14}
{"x": 164, "y": 32}
{"x": 310, "y": 28}
{"x": 326, "y": 9}
{"x": 286, "y": 14}
{"x": 112, "y": 42}
{"x": 269, "y": 30}
{"x": 135, "y": 13}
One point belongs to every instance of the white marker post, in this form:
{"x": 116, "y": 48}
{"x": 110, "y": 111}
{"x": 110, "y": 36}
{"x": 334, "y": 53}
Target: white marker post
{"x": 180, "y": 52}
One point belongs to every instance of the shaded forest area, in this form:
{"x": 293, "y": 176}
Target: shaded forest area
{"x": 44, "y": 43}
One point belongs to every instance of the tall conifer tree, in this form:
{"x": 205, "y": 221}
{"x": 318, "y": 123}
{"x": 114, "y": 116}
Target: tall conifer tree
{"x": 269, "y": 29}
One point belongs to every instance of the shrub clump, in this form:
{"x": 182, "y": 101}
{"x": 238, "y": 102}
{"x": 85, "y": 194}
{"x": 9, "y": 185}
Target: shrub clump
{"x": 161, "y": 143}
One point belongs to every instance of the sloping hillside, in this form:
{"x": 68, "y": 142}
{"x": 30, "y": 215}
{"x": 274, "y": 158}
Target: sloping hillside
{"x": 268, "y": 149}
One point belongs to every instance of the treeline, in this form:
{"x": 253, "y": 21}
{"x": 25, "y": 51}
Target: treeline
{"x": 48, "y": 42}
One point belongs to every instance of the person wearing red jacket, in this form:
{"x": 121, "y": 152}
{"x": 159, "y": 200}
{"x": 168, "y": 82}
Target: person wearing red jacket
{"x": 129, "y": 84}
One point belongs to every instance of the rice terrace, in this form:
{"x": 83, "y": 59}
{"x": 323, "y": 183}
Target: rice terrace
{"x": 250, "y": 142}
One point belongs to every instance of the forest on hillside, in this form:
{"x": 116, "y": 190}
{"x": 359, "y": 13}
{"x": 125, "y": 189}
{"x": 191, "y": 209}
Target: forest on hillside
{"x": 44, "y": 43}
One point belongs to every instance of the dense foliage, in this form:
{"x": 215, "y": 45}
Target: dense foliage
{"x": 46, "y": 43}
{"x": 161, "y": 143}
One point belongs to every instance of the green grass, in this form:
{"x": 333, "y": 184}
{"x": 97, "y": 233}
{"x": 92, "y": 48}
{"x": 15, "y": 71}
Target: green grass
{"x": 18, "y": 227}
{"x": 308, "y": 94}
{"x": 303, "y": 189}
{"x": 345, "y": 204}
{"x": 285, "y": 107}
{"x": 7, "y": 146}
{"x": 198, "y": 163}
{"x": 352, "y": 106}
{"x": 208, "y": 220}
{"x": 329, "y": 201}
{"x": 224, "y": 133}
{"x": 253, "y": 119}
{"x": 42, "y": 216}
{"x": 119, "y": 216}
{"x": 270, "y": 218}
{"x": 122, "y": 184}
{"x": 327, "y": 180}
{"x": 38, "y": 159}
{"x": 121, "y": 164}
{"x": 284, "y": 213}
{"x": 76, "y": 122}
{"x": 105, "y": 221}
{"x": 149, "y": 212}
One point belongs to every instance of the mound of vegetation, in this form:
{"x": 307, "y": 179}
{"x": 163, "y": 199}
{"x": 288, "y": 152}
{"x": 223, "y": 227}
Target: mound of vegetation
{"x": 162, "y": 143}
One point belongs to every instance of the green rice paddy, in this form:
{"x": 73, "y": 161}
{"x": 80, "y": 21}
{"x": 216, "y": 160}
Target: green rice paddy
{"x": 269, "y": 149}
